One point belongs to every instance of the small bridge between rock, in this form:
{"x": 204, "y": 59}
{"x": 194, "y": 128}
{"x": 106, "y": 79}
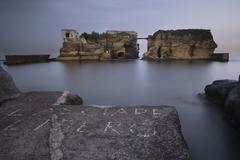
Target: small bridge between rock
{"x": 143, "y": 38}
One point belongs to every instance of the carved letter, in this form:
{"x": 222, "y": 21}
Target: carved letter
{"x": 110, "y": 127}
{"x": 156, "y": 112}
{"x": 120, "y": 111}
{"x": 14, "y": 114}
{"x": 105, "y": 111}
{"x": 80, "y": 129}
{"x": 140, "y": 111}
{"x": 131, "y": 127}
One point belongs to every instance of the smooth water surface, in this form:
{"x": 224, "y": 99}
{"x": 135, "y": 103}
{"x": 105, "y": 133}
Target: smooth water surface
{"x": 147, "y": 83}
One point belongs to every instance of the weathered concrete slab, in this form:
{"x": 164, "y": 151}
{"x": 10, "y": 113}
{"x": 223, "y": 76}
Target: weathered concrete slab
{"x": 24, "y": 120}
{"x": 117, "y": 133}
{"x": 24, "y": 126}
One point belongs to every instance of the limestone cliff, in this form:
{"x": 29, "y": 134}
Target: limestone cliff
{"x": 180, "y": 44}
{"x": 98, "y": 46}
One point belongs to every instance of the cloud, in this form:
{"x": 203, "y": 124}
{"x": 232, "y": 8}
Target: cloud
{"x": 34, "y": 26}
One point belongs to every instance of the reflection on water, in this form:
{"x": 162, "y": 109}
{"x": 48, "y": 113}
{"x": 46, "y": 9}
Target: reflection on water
{"x": 147, "y": 83}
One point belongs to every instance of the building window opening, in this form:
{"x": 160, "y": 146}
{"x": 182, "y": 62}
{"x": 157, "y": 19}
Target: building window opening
{"x": 120, "y": 54}
{"x": 159, "y": 52}
{"x": 67, "y": 35}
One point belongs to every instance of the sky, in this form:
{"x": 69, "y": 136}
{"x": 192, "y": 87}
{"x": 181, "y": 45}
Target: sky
{"x": 34, "y": 26}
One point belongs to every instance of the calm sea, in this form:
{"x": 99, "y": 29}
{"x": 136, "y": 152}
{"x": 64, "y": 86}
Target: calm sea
{"x": 140, "y": 82}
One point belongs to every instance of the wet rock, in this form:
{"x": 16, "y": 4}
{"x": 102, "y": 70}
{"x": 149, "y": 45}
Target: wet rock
{"x": 232, "y": 106}
{"x": 220, "y": 89}
{"x": 120, "y": 133}
{"x": 69, "y": 99}
{"x": 222, "y": 57}
{"x": 8, "y": 88}
{"x": 73, "y": 99}
{"x": 227, "y": 92}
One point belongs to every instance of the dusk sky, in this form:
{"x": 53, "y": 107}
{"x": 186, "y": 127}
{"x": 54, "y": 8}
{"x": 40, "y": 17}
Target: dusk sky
{"x": 33, "y": 26}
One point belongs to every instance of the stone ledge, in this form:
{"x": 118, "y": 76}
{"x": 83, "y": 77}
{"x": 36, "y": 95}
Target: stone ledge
{"x": 126, "y": 132}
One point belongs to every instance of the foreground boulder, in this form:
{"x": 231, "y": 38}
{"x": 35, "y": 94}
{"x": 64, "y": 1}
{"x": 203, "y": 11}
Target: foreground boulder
{"x": 232, "y": 106}
{"x": 129, "y": 133}
{"x": 220, "y": 89}
{"x": 8, "y": 88}
{"x": 227, "y": 92}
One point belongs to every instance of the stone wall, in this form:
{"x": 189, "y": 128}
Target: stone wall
{"x": 180, "y": 44}
{"x": 99, "y": 46}
{"x": 25, "y": 59}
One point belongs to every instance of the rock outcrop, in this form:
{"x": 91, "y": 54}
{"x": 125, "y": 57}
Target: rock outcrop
{"x": 8, "y": 88}
{"x": 227, "y": 92}
{"x": 220, "y": 89}
{"x": 105, "y": 46}
{"x": 180, "y": 44}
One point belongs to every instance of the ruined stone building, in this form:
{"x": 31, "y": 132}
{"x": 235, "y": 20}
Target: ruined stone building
{"x": 180, "y": 44}
{"x": 98, "y": 46}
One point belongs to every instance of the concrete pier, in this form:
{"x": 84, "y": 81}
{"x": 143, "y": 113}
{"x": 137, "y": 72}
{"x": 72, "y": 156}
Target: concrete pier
{"x": 24, "y": 59}
{"x": 223, "y": 57}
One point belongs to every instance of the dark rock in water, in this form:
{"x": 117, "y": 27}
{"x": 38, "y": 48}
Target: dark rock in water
{"x": 220, "y": 89}
{"x": 222, "y": 57}
{"x": 232, "y": 105}
{"x": 69, "y": 99}
{"x": 73, "y": 99}
{"x": 8, "y": 88}
{"x": 228, "y": 93}
{"x": 117, "y": 133}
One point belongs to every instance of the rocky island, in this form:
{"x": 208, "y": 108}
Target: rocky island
{"x": 109, "y": 45}
{"x": 55, "y": 126}
{"x": 184, "y": 44}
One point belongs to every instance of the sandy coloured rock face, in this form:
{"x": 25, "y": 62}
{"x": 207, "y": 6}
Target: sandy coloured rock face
{"x": 180, "y": 44}
{"x": 98, "y": 46}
